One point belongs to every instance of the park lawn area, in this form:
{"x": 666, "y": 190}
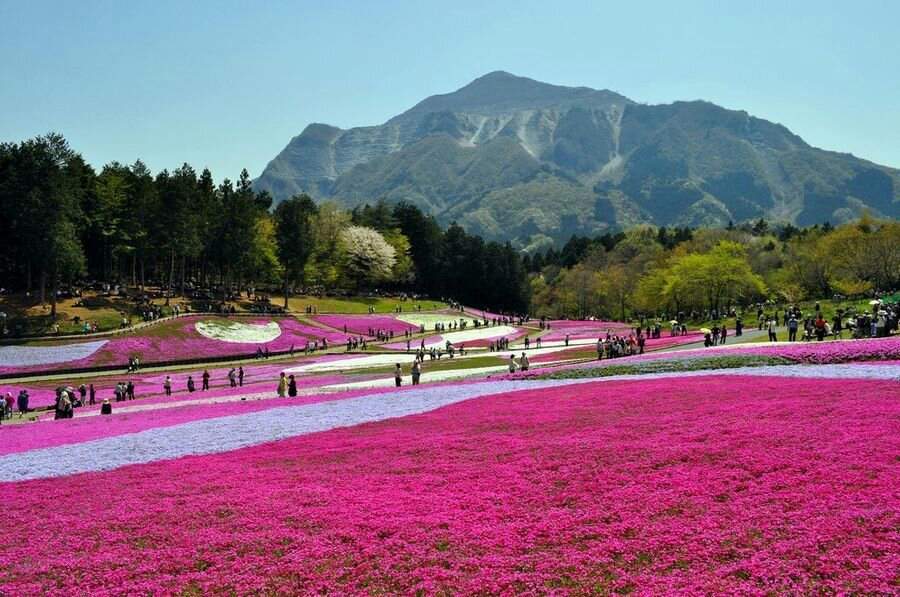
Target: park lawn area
{"x": 354, "y": 304}
{"x": 26, "y": 316}
{"x": 828, "y": 307}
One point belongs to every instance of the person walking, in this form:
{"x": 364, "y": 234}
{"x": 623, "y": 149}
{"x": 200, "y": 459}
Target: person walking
{"x": 512, "y": 364}
{"x": 232, "y": 378}
{"x": 129, "y": 389}
{"x": 722, "y": 336}
{"x": 92, "y": 395}
{"x": 292, "y": 386}
{"x": 398, "y": 375}
{"x": 792, "y": 326}
{"x": 523, "y": 362}
{"x": 241, "y": 376}
{"x": 190, "y": 383}
{"x": 205, "y": 379}
{"x": 773, "y": 337}
{"x": 167, "y": 386}
{"x": 22, "y": 402}
{"x": 282, "y": 385}
{"x": 416, "y": 372}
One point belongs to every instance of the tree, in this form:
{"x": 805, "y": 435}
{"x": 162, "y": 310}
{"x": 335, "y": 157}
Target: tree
{"x": 325, "y": 266}
{"x": 370, "y": 258}
{"x": 294, "y": 234}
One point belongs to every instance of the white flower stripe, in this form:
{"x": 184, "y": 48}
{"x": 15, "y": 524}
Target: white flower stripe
{"x": 27, "y": 356}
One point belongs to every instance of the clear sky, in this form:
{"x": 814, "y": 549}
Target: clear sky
{"x": 227, "y": 84}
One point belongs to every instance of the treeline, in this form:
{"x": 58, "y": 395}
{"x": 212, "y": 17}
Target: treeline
{"x": 63, "y": 222}
{"x": 706, "y": 272}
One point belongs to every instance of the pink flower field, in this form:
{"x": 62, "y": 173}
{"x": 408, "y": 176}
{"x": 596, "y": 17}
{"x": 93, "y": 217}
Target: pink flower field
{"x": 703, "y": 485}
{"x": 179, "y": 340}
{"x": 361, "y": 324}
{"x": 583, "y": 329}
{"x": 149, "y": 386}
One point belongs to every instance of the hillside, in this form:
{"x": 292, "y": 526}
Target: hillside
{"x": 513, "y": 158}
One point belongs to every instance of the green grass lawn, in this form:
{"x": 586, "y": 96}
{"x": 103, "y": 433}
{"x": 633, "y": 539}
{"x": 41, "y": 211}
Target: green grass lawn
{"x": 354, "y": 305}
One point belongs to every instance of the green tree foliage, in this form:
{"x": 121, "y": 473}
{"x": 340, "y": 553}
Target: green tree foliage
{"x": 294, "y": 233}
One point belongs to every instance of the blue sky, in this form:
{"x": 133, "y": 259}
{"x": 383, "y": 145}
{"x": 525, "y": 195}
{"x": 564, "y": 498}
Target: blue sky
{"x": 227, "y": 84}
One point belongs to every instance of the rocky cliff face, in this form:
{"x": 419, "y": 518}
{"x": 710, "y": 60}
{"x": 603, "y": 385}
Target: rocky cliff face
{"x": 512, "y": 158}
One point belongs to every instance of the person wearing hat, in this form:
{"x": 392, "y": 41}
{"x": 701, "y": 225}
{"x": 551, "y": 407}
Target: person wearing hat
{"x": 106, "y": 407}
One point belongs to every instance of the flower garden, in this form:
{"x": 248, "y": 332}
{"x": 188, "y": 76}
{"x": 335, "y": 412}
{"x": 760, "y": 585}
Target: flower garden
{"x": 185, "y": 338}
{"x": 739, "y": 469}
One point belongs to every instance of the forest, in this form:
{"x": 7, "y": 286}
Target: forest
{"x": 66, "y": 223}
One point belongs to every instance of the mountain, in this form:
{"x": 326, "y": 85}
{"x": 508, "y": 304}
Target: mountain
{"x": 515, "y": 159}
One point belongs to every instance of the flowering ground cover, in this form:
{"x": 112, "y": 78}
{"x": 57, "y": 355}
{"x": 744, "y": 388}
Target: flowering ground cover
{"x": 838, "y": 351}
{"x": 180, "y": 339}
{"x": 17, "y": 357}
{"x": 82, "y": 429}
{"x": 361, "y": 325}
{"x": 582, "y": 329}
{"x": 470, "y": 337}
{"x": 429, "y": 320}
{"x": 236, "y": 331}
{"x": 707, "y": 485}
{"x": 149, "y": 385}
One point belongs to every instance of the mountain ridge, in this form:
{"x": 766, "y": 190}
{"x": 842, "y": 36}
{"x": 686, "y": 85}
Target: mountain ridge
{"x": 516, "y": 159}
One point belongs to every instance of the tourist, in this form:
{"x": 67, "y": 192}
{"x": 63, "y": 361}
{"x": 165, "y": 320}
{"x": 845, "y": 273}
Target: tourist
{"x": 820, "y": 327}
{"x": 92, "y": 395}
{"x": 8, "y": 405}
{"x": 64, "y": 407}
{"x": 22, "y": 402}
{"x": 167, "y": 386}
{"x": 722, "y": 336}
{"x": 129, "y": 390}
{"x": 106, "y": 407}
{"x": 282, "y": 385}
{"x": 190, "y": 383}
{"x": 398, "y": 375}
{"x": 82, "y": 392}
{"x": 232, "y": 378}
{"x": 241, "y": 376}
{"x": 771, "y": 326}
{"x": 512, "y": 364}
{"x": 567, "y": 339}
{"x": 792, "y": 326}
{"x": 523, "y": 362}
{"x": 292, "y": 386}
{"x": 416, "y": 372}
{"x": 205, "y": 379}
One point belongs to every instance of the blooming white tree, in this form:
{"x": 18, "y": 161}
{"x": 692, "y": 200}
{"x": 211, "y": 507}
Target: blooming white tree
{"x": 369, "y": 257}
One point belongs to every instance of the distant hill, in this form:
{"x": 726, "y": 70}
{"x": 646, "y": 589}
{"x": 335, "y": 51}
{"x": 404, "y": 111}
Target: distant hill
{"x": 513, "y": 158}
